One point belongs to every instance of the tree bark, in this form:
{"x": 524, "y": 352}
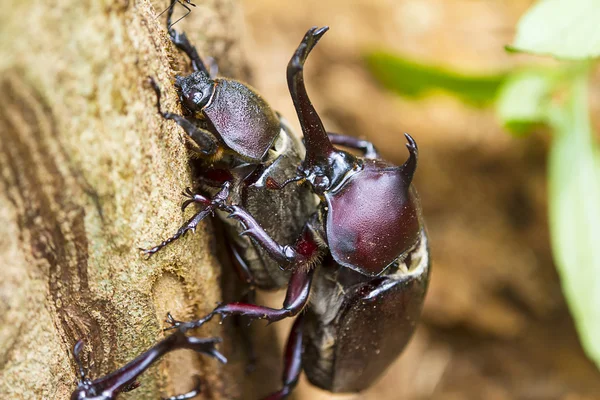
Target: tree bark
{"x": 89, "y": 173}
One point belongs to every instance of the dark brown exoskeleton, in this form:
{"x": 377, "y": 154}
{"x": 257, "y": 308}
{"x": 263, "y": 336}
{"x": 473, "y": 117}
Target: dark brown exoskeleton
{"x": 243, "y": 142}
{"x": 123, "y": 380}
{"x": 366, "y": 297}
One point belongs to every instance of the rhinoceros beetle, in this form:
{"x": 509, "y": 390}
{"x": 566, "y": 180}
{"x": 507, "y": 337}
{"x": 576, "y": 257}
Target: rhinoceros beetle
{"x": 368, "y": 240}
{"x": 122, "y": 380}
{"x": 241, "y": 140}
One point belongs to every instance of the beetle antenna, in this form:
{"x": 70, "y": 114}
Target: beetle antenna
{"x": 273, "y": 184}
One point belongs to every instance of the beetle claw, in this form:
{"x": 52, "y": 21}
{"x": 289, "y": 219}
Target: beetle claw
{"x": 246, "y": 232}
{"x": 186, "y": 204}
{"x": 148, "y": 252}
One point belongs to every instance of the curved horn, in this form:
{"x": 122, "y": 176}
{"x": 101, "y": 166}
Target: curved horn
{"x": 410, "y": 166}
{"x": 317, "y": 143}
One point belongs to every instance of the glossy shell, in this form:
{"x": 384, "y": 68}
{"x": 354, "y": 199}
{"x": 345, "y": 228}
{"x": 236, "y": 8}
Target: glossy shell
{"x": 351, "y": 339}
{"x": 245, "y": 122}
{"x": 373, "y": 219}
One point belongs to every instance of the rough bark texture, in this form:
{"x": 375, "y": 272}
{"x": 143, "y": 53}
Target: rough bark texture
{"x": 89, "y": 173}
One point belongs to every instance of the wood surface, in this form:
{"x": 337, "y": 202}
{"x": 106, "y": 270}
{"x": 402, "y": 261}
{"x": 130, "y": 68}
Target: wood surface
{"x": 89, "y": 172}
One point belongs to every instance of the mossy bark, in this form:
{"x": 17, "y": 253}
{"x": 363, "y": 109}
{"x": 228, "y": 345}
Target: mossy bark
{"x": 89, "y": 173}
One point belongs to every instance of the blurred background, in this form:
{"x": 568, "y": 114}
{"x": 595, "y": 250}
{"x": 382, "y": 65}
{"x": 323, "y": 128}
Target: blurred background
{"x": 495, "y": 324}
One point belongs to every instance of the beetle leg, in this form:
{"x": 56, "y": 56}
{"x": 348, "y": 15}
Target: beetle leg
{"x": 365, "y": 146}
{"x": 125, "y": 377}
{"x": 192, "y": 223}
{"x": 181, "y": 41}
{"x": 300, "y": 256}
{"x": 208, "y": 145}
{"x": 295, "y": 299}
{"x": 292, "y": 366}
{"x": 77, "y": 357}
{"x": 189, "y": 395}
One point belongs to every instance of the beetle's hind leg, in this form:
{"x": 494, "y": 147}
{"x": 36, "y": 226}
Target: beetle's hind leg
{"x": 292, "y": 363}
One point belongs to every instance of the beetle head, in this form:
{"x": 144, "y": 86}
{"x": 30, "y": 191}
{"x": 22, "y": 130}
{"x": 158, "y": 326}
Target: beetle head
{"x": 326, "y": 172}
{"x": 195, "y": 90}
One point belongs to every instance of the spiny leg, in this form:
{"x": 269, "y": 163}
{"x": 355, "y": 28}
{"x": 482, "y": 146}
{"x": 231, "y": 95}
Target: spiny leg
{"x": 182, "y": 42}
{"x": 292, "y": 366}
{"x": 191, "y": 224}
{"x": 368, "y": 148}
{"x": 124, "y": 379}
{"x": 208, "y": 145}
{"x": 170, "y": 10}
{"x": 296, "y": 298}
{"x": 298, "y": 256}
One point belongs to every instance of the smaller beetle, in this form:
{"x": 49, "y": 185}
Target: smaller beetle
{"x": 223, "y": 115}
{"x": 369, "y": 240}
{"x": 122, "y": 380}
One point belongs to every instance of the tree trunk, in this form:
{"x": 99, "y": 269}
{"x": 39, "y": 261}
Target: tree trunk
{"x": 89, "y": 173}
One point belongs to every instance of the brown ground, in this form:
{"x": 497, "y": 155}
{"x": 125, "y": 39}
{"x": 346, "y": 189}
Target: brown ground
{"x": 495, "y": 324}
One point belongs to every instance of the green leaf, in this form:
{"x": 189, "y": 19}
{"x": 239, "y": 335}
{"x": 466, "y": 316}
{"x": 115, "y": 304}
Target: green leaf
{"x": 567, "y": 29}
{"x": 574, "y": 206}
{"x": 413, "y": 79}
{"x": 523, "y": 99}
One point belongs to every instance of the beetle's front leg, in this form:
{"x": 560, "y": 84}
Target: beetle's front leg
{"x": 207, "y": 144}
{"x": 180, "y": 39}
{"x": 295, "y": 299}
{"x": 300, "y": 256}
{"x": 368, "y": 148}
{"x": 191, "y": 224}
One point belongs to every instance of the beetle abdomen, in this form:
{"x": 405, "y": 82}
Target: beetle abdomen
{"x": 242, "y": 118}
{"x": 348, "y": 345}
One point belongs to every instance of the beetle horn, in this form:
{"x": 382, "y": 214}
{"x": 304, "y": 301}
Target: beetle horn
{"x": 409, "y": 167}
{"x": 318, "y": 145}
